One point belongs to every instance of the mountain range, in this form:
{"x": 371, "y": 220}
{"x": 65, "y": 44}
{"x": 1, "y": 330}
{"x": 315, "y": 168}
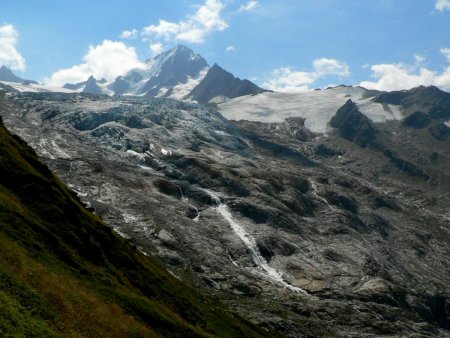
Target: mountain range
{"x": 177, "y": 73}
{"x": 313, "y": 214}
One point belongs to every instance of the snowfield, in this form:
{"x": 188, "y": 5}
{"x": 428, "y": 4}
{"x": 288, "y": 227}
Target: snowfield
{"x": 34, "y": 88}
{"x": 316, "y": 107}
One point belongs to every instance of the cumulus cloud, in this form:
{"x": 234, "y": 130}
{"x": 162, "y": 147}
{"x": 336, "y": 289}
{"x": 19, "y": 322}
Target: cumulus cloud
{"x": 442, "y": 5}
{"x": 247, "y": 7}
{"x": 194, "y": 28}
{"x": 326, "y": 66}
{"x": 156, "y": 48}
{"x": 230, "y": 49}
{"x": 9, "y": 55}
{"x": 107, "y": 60}
{"x": 287, "y": 79}
{"x": 400, "y": 76}
{"x": 131, "y": 34}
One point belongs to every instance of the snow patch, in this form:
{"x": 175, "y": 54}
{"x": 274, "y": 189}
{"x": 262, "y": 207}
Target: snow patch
{"x": 136, "y": 154}
{"x": 316, "y": 107}
{"x": 37, "y": 88}
{"x": 166, "y": 152}
{"x": 181, "y": 90}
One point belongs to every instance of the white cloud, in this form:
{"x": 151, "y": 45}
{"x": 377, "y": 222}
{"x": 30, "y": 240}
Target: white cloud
{"x": 286, "y": 79}
{"x": 9, "y": 56}
{"x": 107, "y": 60}
{"x": 194, "y": 29}
{"x": 156, "y": 48}
{"x": 326, "y": 66}
{"x": 131, "y": 34}
{"x": 442, "y": 5}
{"x": 446, "y": 52}
{"x": 419, "y": 59}
{"x": 400, "y": 76}
{"x": 247, "y": 7}
{"x": 230, "y": 49}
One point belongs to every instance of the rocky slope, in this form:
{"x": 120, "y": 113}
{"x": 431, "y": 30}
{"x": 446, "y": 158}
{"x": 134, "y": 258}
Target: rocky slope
{"x": 63, "y": 272}
{"x": 301, "y": 227}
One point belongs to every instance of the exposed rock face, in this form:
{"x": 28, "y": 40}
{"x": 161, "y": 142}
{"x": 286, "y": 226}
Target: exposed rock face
{"x": 91, "y": 86}
{"x": 417, "y": 120}
{"x": 120, "y": 85}
{"x": 440, "y": 131}
{"x": 221, "y": 84}
{"x": 430, "y": 100}
{"x": 256, "y": 212}
{"x": 8, "y": 76}
{"x": 353, "y": 125}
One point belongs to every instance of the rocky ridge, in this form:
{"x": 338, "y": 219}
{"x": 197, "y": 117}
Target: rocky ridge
{"x": 7, "y": 75}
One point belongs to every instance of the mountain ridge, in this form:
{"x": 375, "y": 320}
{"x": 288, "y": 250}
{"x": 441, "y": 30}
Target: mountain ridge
{"x": 176, "y": 73}
{"x": 220, "y": 84}
{"x": 8, "y": 76}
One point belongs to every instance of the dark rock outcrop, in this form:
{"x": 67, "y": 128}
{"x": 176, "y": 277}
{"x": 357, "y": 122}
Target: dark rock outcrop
{"x": 92, "y": 86}
{"x": 440, "y": 131}
{"x": 220, "y": 83}
{"x": 353, "y": 125}
{"x": 417, "y": 120}
{"x": 430, "y": 100}
{"x": 119, "y": 86}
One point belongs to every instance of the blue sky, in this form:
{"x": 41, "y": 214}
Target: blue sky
{"x": 281, "y": 44}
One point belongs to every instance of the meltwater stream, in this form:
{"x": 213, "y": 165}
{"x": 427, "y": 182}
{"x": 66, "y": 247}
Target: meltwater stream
{"x": 185, "y": 201}
{"x": 267, "y": 271}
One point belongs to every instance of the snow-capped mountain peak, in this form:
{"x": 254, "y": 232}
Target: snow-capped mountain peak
{"x": 177, "y": 73}
{"x": 175, "y": 67}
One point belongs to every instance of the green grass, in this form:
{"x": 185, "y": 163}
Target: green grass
{"x": 63, "y": 272}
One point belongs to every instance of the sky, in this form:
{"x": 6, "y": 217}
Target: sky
{"x": 285, "y": 45}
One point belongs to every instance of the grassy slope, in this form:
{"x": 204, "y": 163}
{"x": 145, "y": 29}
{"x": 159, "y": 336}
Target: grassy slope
{"x": 63, "y": 272}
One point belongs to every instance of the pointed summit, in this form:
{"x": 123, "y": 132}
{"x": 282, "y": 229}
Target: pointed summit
{"x": 222, "y": 85}
{"x": 177, "y": 73}
{"x": 176, "y": 66}
{"x": 92, "y": 86}
{"x": 7, "y": 75}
